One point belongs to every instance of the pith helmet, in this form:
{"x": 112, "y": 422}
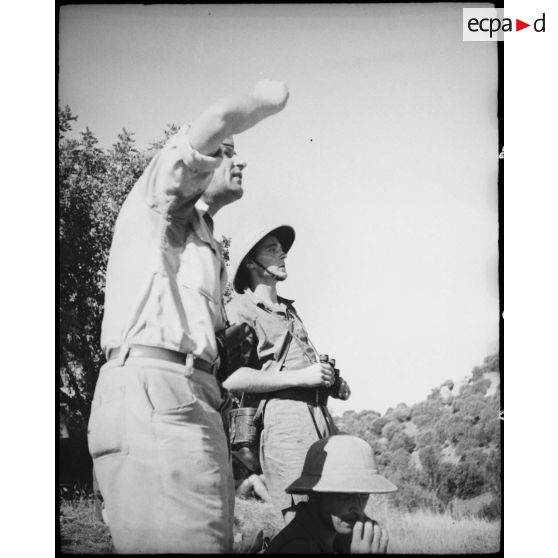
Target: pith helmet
{"x": 340, "y": 463}
{"x": 241, "y": 246}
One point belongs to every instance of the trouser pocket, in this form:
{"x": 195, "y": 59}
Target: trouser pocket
{"x": 107, "y": 433}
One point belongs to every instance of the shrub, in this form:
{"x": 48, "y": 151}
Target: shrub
{"x": 411, "y": 497}
{"x": 378, "y": 425}
{"x": 491, "y": 511}
{"x": 402, "y": 440}
{"x": 390, "y": 429}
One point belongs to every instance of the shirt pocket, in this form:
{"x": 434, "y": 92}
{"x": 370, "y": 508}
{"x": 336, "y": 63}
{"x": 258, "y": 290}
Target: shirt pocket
{"x": 107, "y": 432}
{"x": 200, "y": 268}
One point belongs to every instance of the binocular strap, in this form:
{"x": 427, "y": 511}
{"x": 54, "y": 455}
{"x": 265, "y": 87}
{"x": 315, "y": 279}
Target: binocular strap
{"x": 331, "y": 428}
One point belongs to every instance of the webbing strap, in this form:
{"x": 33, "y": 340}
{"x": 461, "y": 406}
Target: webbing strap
{"x": 331, "y": 428}
{"x": 311, "y": 411}
{"x": 329, "y": 421}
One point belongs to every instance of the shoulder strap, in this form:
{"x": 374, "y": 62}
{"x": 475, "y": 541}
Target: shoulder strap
{"x": 284, "y": 350}
{"x": 292, "y": 312}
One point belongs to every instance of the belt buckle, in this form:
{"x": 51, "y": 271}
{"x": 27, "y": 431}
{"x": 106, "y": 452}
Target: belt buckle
{"x": 189, "y": 364}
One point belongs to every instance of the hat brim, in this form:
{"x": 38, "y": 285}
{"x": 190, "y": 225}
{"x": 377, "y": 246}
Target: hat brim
{"x": 370, "y": 484}
{"x": 285, "y": 235}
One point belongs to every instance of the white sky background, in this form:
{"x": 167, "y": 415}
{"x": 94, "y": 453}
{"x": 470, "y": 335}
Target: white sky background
{"x": 385, "y": 161}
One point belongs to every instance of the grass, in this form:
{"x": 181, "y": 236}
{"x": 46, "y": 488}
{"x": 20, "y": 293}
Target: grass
{"x": 81, "y": 532}
{"x": 427, "y": 532}
{"x": 420, "y": 532}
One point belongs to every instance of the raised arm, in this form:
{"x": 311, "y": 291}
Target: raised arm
{"x": 234, "y": 115}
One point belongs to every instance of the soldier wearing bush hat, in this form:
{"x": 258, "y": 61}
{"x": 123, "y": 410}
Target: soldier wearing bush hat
{"x": 288, "y": 382}
{"x": 339, "y": 474}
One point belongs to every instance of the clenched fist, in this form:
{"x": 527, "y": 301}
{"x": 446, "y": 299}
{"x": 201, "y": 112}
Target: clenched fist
{"x": 319, "y": 374}
{"x": 272, "y": 95}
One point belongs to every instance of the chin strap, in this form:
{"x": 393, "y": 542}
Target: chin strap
{"x": 274, "y": 275}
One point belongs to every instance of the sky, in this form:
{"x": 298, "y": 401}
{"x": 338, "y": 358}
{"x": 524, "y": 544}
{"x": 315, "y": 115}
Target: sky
{"x": 385, "y": 161}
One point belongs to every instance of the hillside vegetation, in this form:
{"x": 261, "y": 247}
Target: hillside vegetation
{"x": 443, "y": 452}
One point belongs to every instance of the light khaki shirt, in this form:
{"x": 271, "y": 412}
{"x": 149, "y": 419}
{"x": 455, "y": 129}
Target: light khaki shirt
{"x": 272, "y": 324}
{"x": 166, "y": 274}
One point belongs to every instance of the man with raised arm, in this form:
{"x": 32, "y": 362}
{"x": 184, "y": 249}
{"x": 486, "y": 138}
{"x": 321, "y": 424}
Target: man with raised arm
{"x": 155, "y": 431}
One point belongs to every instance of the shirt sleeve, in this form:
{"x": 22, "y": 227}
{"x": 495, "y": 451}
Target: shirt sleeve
{"x": 178, "y": 175}
{"x": 238, "y": 312}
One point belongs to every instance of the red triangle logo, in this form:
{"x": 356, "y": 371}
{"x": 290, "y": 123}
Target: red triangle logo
{"x": 519, "y": 25}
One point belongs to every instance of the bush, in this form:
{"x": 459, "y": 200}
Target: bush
{"x": 469, "y": 480}
{"x": 402, "y": 440}
{"x": 491, "y": 511}
{"x": 378, "y": 425}
{"x": 411, "y": 497}
{"x": 402, "y": 413}
{"x": 390, "y": 429}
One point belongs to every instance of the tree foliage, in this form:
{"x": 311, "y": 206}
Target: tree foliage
{"x": 441, "y": 449}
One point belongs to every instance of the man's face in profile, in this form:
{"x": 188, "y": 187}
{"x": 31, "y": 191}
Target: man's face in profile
{"x": 270, "y": 254}
{"x": 226, "y": 184}
{"x": 340, "y": 511}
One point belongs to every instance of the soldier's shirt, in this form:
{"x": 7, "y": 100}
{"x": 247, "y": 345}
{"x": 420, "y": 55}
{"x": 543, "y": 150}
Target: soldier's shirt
{"x": 272, "y": 324}
{"x": 166, "y": 275}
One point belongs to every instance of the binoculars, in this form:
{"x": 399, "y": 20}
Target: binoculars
{"x": 332, "y": 390}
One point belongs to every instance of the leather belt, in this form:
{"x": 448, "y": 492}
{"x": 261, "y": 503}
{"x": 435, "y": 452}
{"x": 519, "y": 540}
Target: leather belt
{"x": 147, "y": 351}
{"x": 311, "y": 396}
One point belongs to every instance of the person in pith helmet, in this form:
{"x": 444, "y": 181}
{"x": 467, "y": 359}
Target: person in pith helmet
{"x": 339, "y": 474}
{"x": 288, "y": 383}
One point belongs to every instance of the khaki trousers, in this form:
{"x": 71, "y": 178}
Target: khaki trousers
{"x": 288, "y": 432}
{"x": 161, "y": 458}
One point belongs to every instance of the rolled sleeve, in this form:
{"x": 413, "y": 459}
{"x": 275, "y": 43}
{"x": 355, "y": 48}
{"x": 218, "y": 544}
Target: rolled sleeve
{"x": 238, "y": 312}
{"x": 178, "y": 175}
{"x": 195, "y": 161}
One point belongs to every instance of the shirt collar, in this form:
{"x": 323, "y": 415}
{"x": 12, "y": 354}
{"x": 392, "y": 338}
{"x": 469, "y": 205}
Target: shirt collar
{"x": 262, "y": 304}
{"x": 204, "y": 230}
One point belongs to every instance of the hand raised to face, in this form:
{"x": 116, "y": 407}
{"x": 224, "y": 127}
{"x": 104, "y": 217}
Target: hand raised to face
{"x": 369, "y": 538}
